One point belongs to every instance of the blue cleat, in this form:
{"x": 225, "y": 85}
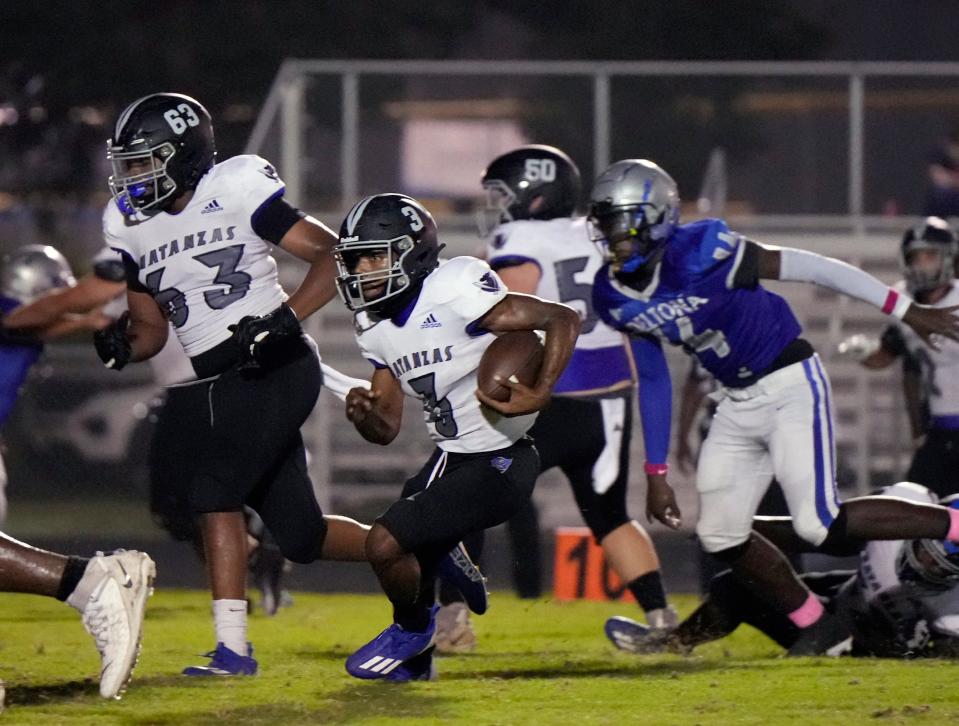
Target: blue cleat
{"x": 389, "y": 650}
{"x": 417, "y": 668}
{"x": 225, "y": 662}
{"x": 458, "y": 570}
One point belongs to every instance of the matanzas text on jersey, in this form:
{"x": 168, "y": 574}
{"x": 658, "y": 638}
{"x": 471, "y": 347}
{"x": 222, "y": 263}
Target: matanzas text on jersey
{"x": 197, "y": 239}
{"x": 420, "y": 358}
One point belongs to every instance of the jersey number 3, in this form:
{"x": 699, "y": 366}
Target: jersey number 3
{"x": 225, "y": 261}
{"x": 439, "y": 412}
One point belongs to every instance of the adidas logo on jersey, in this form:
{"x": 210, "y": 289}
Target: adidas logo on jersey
{"x": 213, "y": 206}
{"x": 431, "y": 322}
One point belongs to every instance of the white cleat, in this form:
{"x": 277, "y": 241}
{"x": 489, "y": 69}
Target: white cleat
{"x": 114, "y": 613}
{"x": 454, "y": 631}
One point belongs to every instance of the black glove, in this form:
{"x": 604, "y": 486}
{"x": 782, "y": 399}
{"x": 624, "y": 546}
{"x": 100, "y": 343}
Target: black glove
{"x": 255, "y": 334}
{"x": 112, "y": 343}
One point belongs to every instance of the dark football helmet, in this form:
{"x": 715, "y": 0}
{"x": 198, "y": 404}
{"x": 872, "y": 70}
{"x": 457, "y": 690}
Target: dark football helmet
{"x": 398, "y": 236}
{"x": 162, "y": 145}
{"x": 933, "y": 234}
{"x": 531, "y": 182}
{"x": 636, "y": 202}
{"x": 931, "y": 561}
{"x": 32, "y": 271}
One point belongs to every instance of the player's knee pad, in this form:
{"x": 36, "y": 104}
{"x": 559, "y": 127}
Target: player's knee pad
{"x": 299, "y": 543}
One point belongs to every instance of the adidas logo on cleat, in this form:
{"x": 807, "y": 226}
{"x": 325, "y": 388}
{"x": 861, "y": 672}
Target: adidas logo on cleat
{"x": 213, "y": 206}
{"x": 431, "y": 322}
{"x": 379, "y": 664}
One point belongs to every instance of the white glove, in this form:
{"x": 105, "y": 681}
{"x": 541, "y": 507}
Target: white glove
{"x": 857, "y": 347}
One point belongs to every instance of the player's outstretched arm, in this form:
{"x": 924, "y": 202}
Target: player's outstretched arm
{"x": 525, "y": 312}
{"x": 89, "y": 293}
{"x": 377, "y": 411}
{"x": 312, "y": 241}
{"x": 786, "y": 263}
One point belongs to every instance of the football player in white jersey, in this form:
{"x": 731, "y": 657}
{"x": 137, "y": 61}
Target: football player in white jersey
{"x": 538, "y": 247}
{"x": 196, "y": 239}
{"x": 425, "y": 326}
{"x": 902, "y": 601}
{"x": 927, "y": 255}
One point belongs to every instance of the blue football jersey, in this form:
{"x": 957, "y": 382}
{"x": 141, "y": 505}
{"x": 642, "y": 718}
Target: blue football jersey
{"x": 692, "y": 301}
{"x": 15, "y": 362}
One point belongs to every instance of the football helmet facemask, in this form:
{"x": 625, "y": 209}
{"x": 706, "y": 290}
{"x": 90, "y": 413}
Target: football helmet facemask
{"x": 933, "y": 234}
{"x": 397, "y": 237}
{"x": 32, "y": 271}
{"x": 531, "y": 182}
{"x": 633, "y": 210}
{"x": 162, "y": 145}
{"x": 931, "y": 561}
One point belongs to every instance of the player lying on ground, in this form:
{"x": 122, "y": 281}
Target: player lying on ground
{"x": 424, "y": 327}
{"x": 902, "y": 602}
{"x": 698, "y": 286}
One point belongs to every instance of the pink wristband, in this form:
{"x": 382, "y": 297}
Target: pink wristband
{"x": 653, "y": 469}
{"x": 896, "y": 304}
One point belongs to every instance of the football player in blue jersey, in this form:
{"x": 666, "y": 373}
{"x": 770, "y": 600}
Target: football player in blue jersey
{"x": 698, "y": 286}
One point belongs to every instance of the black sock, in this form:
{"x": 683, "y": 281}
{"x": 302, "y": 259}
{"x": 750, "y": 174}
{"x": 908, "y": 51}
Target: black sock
{"x": 648, "y": 591}
{"x": 414, "y": 618}
{"x": 72, "y": 574}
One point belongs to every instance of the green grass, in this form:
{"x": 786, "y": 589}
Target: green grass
{"x": 537, "y": 663}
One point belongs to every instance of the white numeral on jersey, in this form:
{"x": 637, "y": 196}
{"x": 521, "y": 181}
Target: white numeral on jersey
{"x": 709, "y": 339}
{"x": 181, "y": 117}
{"x": 416, "y": 224}
{"x": 541, "y": 170}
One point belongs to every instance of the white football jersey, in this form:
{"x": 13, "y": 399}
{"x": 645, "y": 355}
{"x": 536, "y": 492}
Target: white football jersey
{"x": 205, "y": 266}
{"x": 568, "y": 262}
{"x": 940, "y": 368}
{"x": 434, "y": 353}
{"x": 879, "y": 589}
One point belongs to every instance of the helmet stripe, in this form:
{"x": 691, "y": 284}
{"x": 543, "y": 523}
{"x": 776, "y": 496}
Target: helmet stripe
{"x": 354, "y": 216}
{"x": 127, "y": 112}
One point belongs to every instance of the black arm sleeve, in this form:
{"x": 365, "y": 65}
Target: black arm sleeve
{"x": 893, "y": 341}
{"x": 132, "y": 273}
{"x": 110, "y": 270}
{"x": 747, "y": 274}
{"x": 273, "y": 219}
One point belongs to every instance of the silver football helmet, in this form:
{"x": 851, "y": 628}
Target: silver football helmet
{"x": 633, "y": 210}
{"x": 931, "y": 561}
{"x": 31, "y": 271}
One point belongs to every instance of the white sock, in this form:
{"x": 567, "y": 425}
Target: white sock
{"x": 229, "y": 619}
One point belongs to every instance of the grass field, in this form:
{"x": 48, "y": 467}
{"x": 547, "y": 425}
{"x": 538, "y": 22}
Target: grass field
{"x": 538, "y": 663}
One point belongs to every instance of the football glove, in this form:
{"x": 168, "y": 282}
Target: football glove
{"x": 256, "y": 334}
{"x": 112, "y": 343}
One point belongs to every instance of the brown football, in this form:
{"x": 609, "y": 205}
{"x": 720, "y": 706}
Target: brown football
{"x": 518, "y": 354}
